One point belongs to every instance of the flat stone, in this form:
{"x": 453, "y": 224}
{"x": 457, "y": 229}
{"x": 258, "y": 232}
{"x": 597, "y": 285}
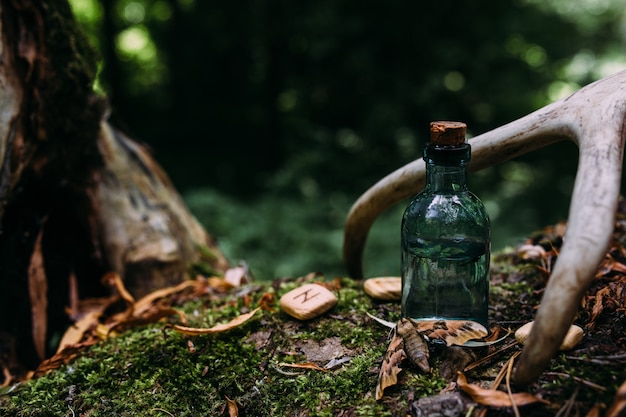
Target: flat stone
{"x": 384, "y": 288}
{"x": 307, "y": 301}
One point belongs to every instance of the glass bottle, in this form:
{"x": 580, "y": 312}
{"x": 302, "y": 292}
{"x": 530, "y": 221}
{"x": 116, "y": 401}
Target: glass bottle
{"x": 446, "y": 237}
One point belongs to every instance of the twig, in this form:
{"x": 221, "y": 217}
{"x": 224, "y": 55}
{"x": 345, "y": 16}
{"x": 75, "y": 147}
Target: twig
{"x": 496, "y": 382}
{"x": 599, "y": 360}
{"x": 577, "y": 379}
{"x": 567, "y": 407}
{"x": 509, "y": 370}
{"x": 488, "y": 357}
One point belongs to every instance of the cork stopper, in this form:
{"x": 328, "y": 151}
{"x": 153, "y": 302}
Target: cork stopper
{"x": 447, "y": 133}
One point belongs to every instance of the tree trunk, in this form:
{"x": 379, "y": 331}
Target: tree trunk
{"x": 77, "y": 197}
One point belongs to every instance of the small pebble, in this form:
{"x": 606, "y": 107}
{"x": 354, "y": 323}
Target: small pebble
{"x": 307, "y": 301}
{"x": 384, "y": 288}
{"x": 572, "y": 338}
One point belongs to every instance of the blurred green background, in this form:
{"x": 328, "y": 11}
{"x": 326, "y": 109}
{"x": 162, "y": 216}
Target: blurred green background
{"x": 273, "y": 116}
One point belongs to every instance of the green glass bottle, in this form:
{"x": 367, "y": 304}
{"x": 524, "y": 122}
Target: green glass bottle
{"x": 446, "y": 238}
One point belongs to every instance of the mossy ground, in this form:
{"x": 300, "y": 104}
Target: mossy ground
{"x": 155, "y": 371}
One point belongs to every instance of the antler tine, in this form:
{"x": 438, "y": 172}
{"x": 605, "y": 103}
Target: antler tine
{"x": 598, "y": 117}
{"x": 595, "y": 119}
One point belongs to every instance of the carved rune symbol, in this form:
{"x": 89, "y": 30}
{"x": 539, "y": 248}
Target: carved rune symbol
{"x": 306, "y": 296}
{"x": 308, "y": 301}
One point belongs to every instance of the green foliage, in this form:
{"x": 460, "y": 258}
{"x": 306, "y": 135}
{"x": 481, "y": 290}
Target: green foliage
{"x": 296, "y": 110}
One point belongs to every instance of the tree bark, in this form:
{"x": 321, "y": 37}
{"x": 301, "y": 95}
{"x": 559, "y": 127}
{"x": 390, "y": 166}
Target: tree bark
{"x": 84, "y": 196}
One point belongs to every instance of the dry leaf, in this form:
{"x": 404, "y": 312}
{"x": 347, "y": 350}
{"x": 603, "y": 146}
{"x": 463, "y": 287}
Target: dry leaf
{"x": 148, "y": 317}
{"x": 220, "y": 284}
{"x": 452, "y": 332}
{"x": 76, "y": 331}
{"x": 147, "y": 301}
{"x": 414, "y": 344}
{"x": 237, "y": 276}
{"x": 267, "y": 301}
{"x": 494, "y": 398}
{"x": 38, "y": 292}
{"x": 195, "y": 331}
{"x": 595, "y": 411}
{"x": 390, "y": 368}
{"x": 113, "y": 279}
{"x": 87, "y": 314}
{"x": 385, "y": 323}
{"x": 618, "y": 408}
{"x": 62, "y": 357}
{"x": 233, "y": 410}
{"x": 598, "y": 306}
{"x": 307, "y": 365}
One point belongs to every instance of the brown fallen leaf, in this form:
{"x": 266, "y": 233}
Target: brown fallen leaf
{"x": 306, "y": 365}
{"x": 494, "y": 398}
{"x": 148, "y": 317}
{"x": 86, "y": 314}
{"x": 595, "y": 411}
{"x": 220, "y": 284}
{"x": 233, "y": 410}
{"x": 64, "y": 356}
{"x": 195, "y": 331}
{"x": 598, "y": 307}
{"x": 390, "y": 368}
{"x": 38, "y": 293}
{"x": 267, "y": 301}
{"x": 452, "y": 332}
{"x": 148, "y": 301}
{"x": 76, "y": 331}
{"x": 113, "y": 279}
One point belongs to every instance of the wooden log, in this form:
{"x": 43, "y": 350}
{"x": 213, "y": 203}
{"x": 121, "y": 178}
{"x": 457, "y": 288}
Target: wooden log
{"x": 88, "y": 197}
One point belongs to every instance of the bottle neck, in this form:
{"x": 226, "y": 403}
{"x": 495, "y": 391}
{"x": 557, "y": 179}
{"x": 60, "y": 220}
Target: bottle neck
{"x": 446, "y": 168}
{"x": 446, "y": 179}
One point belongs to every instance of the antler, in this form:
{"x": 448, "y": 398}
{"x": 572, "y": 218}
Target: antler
{"x": 594, "y": 118}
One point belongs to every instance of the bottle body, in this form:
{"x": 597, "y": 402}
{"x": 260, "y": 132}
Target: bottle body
{"x": 445, "y": 245}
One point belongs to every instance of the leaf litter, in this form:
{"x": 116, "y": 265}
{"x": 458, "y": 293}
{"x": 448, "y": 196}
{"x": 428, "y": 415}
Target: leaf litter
{"x": 91, "y": 325}
{"x": 602, "y": 311}
{"x": 602, "y": 314}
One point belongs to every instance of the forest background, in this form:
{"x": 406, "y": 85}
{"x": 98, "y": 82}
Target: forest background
{"x": 272, "y": 116}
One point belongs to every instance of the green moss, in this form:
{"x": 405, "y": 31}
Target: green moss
{"x": 152, "y": 371}
{"x": 205, "y": 263}
{"x": 425, "y": 384}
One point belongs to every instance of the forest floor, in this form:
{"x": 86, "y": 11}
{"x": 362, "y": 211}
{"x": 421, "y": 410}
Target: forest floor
{"x": 240, "y": 355}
